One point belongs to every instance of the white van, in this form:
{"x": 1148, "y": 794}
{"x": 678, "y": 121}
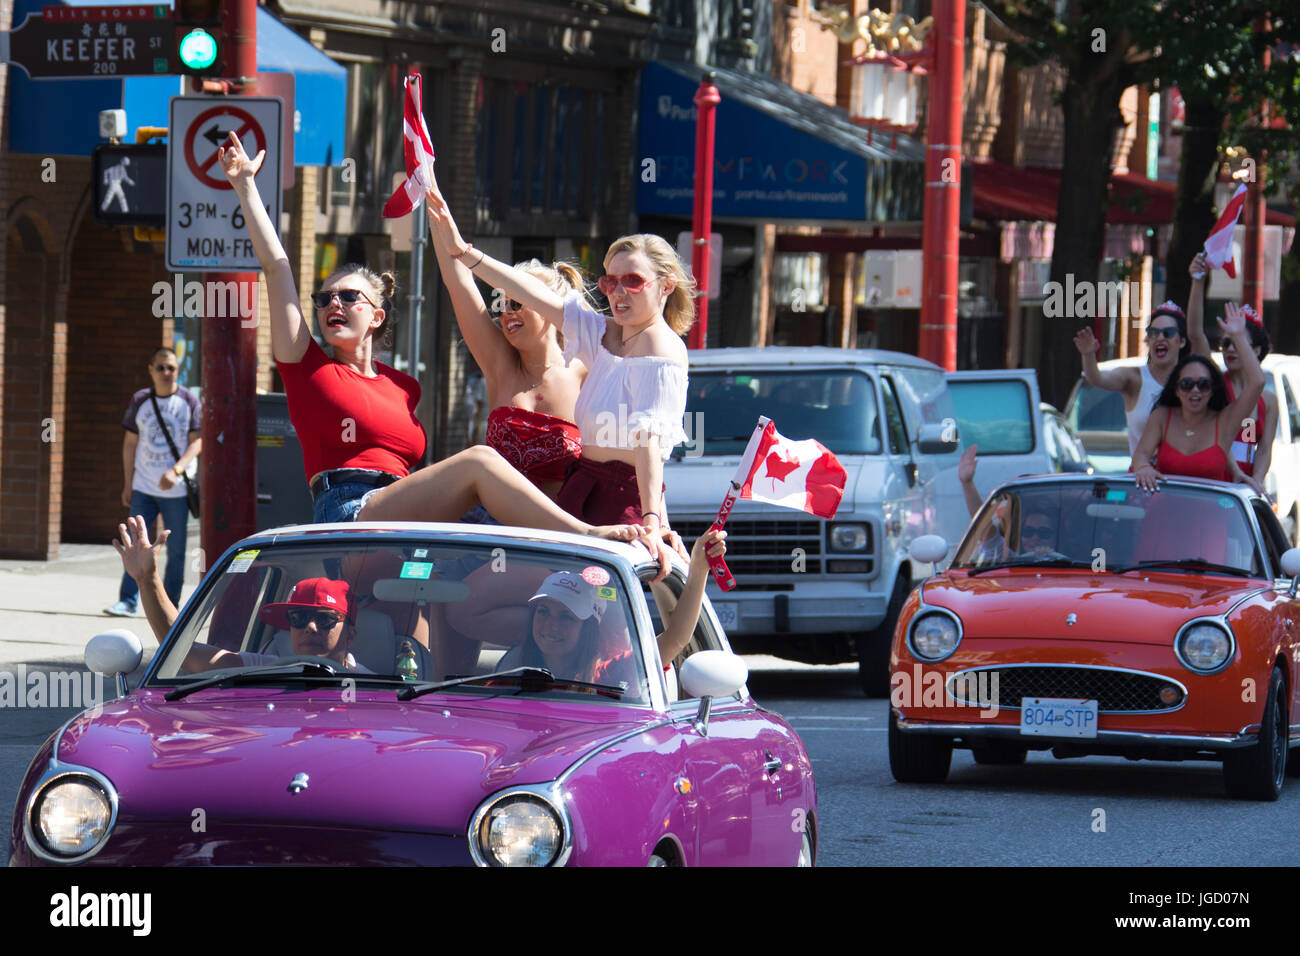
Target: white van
{"x": 812, "y": 590}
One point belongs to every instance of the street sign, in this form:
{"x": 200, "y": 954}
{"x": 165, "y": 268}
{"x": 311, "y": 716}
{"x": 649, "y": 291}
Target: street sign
{"x": 63, "y": 42}
{"x": 205, "y": 225}
{"x": 130, "y": 184}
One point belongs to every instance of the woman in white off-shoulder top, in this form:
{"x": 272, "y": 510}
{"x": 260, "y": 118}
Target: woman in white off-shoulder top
{"x": 631, "y": 405}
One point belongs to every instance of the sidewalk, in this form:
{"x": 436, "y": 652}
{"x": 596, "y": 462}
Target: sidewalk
{"x": 50, "y": 609}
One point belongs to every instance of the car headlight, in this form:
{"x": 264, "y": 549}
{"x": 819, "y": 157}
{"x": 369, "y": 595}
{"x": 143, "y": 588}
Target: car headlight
{"x": 71, "y": 816}
{"x": 1203, "y": 647}
{"x": 933, "y": 635}
{"x": 848, "y": 537}
{"x": 519, "y": 829}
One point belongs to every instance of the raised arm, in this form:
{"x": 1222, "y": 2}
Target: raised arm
{"x": 289, "y": 332}
{"x": 521, "y": 286}
{"x": 1243, "y": 406}
{"x": 140, "y": 560}
{"x": 680, "y": 625}
{"x": 1200, "y": 345}
{"x": 1264, "y": 432}
{"x": 966, "y": 475}
{"x": 1113, "y": 380}
{"x": 486, "y": 342}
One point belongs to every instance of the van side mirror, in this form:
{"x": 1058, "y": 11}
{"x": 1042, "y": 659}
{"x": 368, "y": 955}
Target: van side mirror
{"x": 937, "y": 438}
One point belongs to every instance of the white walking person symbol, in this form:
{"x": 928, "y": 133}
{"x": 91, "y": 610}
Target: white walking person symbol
{"x": 113, "y": 177}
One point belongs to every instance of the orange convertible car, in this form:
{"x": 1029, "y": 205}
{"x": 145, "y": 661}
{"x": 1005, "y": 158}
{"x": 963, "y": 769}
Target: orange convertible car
{"x": 1085, "y": 616}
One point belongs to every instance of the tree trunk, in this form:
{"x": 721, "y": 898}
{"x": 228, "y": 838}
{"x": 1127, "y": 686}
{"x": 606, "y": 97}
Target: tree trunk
{"x": 1198, "y": 170}
{"x": 1092, "y": 116}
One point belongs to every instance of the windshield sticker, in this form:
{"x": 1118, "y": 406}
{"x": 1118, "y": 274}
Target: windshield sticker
{"x": 420, "y": 553}
{"x": 1116, "y": 494}
{"x": 608, "y": 594}
{"x": 416, "y": 569}
{"x": 1225, "y": 503}
{"x": 242, "y": 562}
{"x": 595, "y": 576}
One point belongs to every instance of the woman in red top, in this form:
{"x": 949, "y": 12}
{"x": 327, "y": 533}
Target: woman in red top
{"x": 355, "y": 418}
{"x": 531, "y": 389}
{"x": 1192, "y": 437}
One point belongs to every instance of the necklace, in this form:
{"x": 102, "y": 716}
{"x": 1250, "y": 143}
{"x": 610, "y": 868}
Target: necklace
{"x": 540, "y": 378}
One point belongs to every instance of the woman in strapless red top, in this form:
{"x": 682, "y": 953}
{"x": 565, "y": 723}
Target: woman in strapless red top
{"x": 1191, "y": 439}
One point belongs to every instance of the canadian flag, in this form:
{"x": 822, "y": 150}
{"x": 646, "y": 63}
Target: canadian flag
{"x": 1218, "y": 247}
{"x": 794, "y": 474}
{"x": 419, "y": 154}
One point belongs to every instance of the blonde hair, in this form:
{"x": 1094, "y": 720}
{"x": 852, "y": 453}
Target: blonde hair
{"x": 679, "y": 309}
{"x": 561, "y": 278}
{"x": 384, "y": 286}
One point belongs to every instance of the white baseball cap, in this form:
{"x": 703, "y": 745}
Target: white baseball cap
{"x": 569, "y": 588}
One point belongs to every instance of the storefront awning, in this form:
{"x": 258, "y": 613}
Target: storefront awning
{"x": 1028, "y": 194}
{"x": 779, "y": 154}
{"x": 61, "y": 117}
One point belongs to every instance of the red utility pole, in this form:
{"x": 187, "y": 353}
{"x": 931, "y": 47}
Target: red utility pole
{"x": 942, "y": 211}
{"x": 229, "y": 484}
{"x": 1252, "y": 284}
{"x": 707, "y": 99}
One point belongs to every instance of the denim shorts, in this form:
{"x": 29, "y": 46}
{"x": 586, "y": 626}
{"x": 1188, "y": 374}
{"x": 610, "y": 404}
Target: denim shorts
{"x": 479, "y": 515}
{"x": 341, "y": 502}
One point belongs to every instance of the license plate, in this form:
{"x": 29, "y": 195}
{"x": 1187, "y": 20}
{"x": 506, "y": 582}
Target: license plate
{"x": 1058, "y": 717}
{"x": 728, "y": 614}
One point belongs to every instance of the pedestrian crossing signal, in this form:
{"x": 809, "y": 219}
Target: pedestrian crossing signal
{"x": 130, "y": 185}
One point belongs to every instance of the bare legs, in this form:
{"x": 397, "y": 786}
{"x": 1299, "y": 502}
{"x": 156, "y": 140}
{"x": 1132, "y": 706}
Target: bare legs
{"x": 478, "y": 475}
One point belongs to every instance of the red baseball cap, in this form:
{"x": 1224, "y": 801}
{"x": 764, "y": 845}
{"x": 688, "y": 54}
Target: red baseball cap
{"x": 317, "y": 594}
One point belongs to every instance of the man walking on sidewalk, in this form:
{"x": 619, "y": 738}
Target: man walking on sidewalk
{"x": 152, "y": 482}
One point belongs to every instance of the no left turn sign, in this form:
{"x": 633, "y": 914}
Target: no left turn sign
{"x": 206, "y": 231}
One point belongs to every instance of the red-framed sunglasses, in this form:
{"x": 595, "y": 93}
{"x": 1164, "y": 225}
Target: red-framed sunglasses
{"x": 630, "y": 281}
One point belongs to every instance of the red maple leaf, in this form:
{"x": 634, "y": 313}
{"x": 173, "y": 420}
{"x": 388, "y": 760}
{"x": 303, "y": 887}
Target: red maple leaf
{"x": 779, "y": 466}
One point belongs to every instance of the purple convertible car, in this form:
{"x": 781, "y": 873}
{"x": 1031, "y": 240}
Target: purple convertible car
{"x": 428, "y": 695}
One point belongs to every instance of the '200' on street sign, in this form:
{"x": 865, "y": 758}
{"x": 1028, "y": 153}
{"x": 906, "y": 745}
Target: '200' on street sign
{"x": 206, "y": 231}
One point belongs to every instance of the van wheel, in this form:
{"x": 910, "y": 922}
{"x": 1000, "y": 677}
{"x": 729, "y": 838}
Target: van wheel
{"x": 918, "y": 758}
{"x": 1257, "y": 772}
{"x": 873, "y": 646}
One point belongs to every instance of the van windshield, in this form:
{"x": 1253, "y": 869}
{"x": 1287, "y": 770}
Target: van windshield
{"x": 835, "y": 406}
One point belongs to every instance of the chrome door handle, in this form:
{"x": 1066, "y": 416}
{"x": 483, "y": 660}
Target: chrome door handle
{"x": 772, "y": 764}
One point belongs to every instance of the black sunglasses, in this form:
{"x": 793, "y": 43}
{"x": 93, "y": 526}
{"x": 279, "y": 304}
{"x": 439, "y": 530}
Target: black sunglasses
{"x": 1187, "y": 384}
{"x": 298, "y": 617}
{"x": 346, "y": 296}
{"x": 1167, "y": 332}
{"x": 1043, "y": 531}
{"x": 164, "y": 368}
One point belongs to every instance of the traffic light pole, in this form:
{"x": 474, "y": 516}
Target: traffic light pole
{"x": 229, "y": 485}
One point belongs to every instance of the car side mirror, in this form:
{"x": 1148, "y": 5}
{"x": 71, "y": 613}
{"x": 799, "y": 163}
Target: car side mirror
{"x": 709, "y": 674}
{"x": 1291, "y": 566}
{"x": 115, "y": 654}
{"x": 937, "y": 438}
{"x": 931, "y": 548}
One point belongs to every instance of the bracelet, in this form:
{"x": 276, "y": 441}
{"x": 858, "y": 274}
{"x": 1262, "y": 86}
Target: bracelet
{"x": 468, "y": 247}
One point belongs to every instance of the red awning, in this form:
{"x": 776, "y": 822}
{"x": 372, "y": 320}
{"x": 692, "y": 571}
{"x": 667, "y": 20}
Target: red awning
{"x": 1028, "y": 193}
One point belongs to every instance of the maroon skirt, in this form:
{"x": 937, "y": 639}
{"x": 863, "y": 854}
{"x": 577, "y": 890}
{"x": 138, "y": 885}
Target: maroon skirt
{"x": 601, "y": 492}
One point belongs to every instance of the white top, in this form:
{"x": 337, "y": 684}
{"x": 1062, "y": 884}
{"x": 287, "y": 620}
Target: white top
{"x": 1137, "y": 419}
{"x": 622, "y": 394}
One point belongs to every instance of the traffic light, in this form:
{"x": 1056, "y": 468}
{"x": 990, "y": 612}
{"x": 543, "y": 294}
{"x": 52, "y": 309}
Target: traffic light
{"x": 199, "y": 36}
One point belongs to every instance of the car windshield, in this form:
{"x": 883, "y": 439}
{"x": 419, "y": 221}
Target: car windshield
{"x": 1111, "y": 525}
{"x": 835, "y": 406}
{"x": 411, "y": 612}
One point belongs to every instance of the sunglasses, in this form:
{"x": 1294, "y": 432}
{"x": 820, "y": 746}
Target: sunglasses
{"x": 631, "y": 282}
{"x": 1043, "y": 531}
{"x": 345, "y": 296}
{"x": 510, "y": 305}
{"x": 1167, "y": 332}
{"x": 164, "y": 368}
{"x": 1200, "y": 384}
{"x": 324, "y": 619}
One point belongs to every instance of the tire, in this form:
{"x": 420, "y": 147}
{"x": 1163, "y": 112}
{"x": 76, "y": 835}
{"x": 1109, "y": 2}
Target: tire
{"x": 999, "y": 753}
{"x": 918, "y": 758}
{"x": 1257, "y": 772}
{"x": 656, "y": 860}
{"x": 807, "y": 854}
{"x": 874, "y": 646}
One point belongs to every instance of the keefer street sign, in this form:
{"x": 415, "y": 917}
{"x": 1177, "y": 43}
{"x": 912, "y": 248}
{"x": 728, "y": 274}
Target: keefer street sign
{"x": 206, "y": 231}
{"x": 92, "y": 41}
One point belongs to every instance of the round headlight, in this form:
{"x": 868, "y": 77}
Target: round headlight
{"x": 848, "y": 537}
{"x": 934, "y": 636}
{"x": 521, "y": 832}
{"x": 1204, "y": 647}
{"x": 72, "y": 817}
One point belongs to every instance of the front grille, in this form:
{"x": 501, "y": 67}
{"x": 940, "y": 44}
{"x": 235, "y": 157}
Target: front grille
{"x": 767, "y": 545}
{"x": 1115, "y": 691}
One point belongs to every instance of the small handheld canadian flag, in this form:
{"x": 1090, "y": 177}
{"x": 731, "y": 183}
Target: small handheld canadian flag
{"x": 1218, "y": 246}
{"x": 804, "y": 475}
{"x": 419, "y": 154}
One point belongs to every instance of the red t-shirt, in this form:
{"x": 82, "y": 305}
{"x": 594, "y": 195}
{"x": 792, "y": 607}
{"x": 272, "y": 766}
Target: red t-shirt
{"x": 345, "y": 420}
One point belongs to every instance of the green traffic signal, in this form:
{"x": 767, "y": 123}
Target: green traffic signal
{"x": 197, "y": 50}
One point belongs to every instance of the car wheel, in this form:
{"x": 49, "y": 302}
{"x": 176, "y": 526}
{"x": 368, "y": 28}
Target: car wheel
{"x": 1257, "y": 772}
{"x": 656, "y": 860}
{"x": 917, "y": 758}
{"x": 999, "y": 753}
{"x": 873, "y": 646}
{"x": 806, "y": 857}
